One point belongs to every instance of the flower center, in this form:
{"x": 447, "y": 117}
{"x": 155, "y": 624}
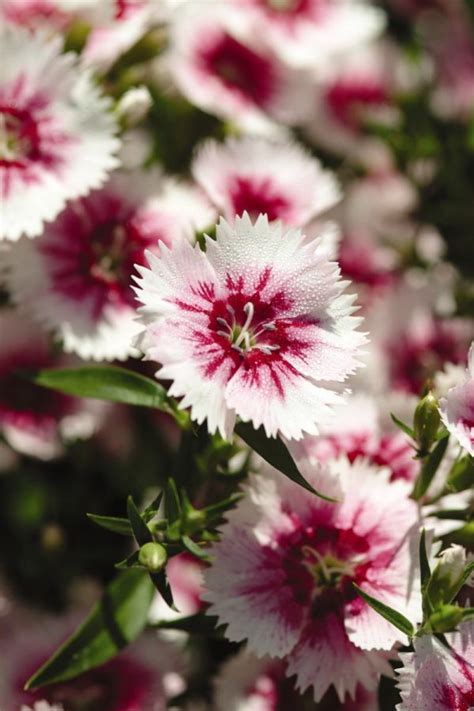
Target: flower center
{"x": 242, "y": 336}
{"x": 327, "y": 571}
{"x": 18, "y": 136}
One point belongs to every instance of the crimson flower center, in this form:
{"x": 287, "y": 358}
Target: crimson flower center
{"x": 242, "y": 335}
{"x": 19, "y": 139}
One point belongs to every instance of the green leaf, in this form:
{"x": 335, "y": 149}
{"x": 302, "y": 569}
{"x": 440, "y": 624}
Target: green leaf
{"x": 140, "y": 530}
{"x": 193, "y": 624}
{"x": 130, "y": 561}
{"x": 468, "y": 614}
{"x": 152, "y": 509}
{"x": 275, "y": 452}
{"x": 112, "y": 523}
{"x": 461, "y": 475}
{"x": 161, "y": 583}
{"x": 424, "y": 563}
{"x": 114, "y": 622}
{"x": 429, "y": 469}
{"x": 468, "y": 571}
{"x": 215, "y": 511}
{"x": 401, "y": 425}
{"x": 173, "y": 511}
{"x": 395, "y": 618}
{"x": 194, "y": 548}
{"x": 107, "y": 382}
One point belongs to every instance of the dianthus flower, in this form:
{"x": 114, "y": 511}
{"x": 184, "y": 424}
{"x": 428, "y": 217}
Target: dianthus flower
{"x": 255, "y": 175}
{"x": 256, "y": 327}
{"x": 457, "y": 408}
{"x": 75, "y": 279}
{"x": 282, "y": 574}
{"x": 33, "y": 420}
{"x": 57, "y": 137}
{"x": 434, "y": 678}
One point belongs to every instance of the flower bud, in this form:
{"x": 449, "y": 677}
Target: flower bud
{"x": 426, "y": 422}
{"x": 447, "y": 576}
{"x": 446, "y": 619}
{"x": 153, "y": 556}
{"x": 134, "y": 105}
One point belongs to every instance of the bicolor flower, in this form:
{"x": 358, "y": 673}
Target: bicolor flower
{"x": 33, "y": 420}
{"x": 457, "y": 408}
{"x": 434, "y": 678}
{"x": 277, "y": 178}
{"x": 312, "y": 32}
{"x": 359, "y": 430}
{"x": 75, "y": 280}
{"x": 255, "y": 327}
{"x": 282, "y": 573}
{"x": 57, "y": 134}
{"x": 247, "y": 683}
{"x": 230, "y": 72}
{"x": 141, "y": 678}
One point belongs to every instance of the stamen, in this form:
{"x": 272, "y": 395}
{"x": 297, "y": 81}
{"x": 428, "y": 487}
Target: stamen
{"x": 249, "y": 310}
{"x": 267, "y": 348}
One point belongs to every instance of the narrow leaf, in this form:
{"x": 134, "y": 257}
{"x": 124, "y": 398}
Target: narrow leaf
{"x": 140, "y": 530}
{"x": 161, "y": 583}
{"x": 112, "y": 523}
{"x": 275, "y": 452}
{"x": 193, "y": 624}
{"x": 429, "y": 469}
{"x": 401, "y": 425}
{"x": 130, "y": 561}
{"x": 468, "y": 571}
{"x": 194, "y": 548}
{"x": 424, "y": 563}
{"x": 113, "y": 623}
{"x": 107, "y": 383}
{"x": 152, "y": 509}
{"x": 395, "y": 618}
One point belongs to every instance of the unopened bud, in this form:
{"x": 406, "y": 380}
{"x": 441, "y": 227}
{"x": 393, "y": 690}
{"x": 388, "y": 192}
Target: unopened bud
{"x": 447, "y": 576}
{"x": 153, "y": 556}
{"x": 426, "y": 422}
{"x": 446, "y": 619}
{"x": 134, "y": 105}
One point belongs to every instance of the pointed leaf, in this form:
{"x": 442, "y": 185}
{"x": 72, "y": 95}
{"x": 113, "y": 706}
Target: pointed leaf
{"x": 194, "y": 548}
{"x": 153, "y": 508}
{"x": 107, "y": 382}
{"x": 130, "y": 561}
{"x": 112, "y": 523}
{"x": 140, "y": 530}
{"x": 275, "y": 452}
{"x": 401, "y": 425}
{"x": 113, "y": 623}
{"x": 424, "y": 563}
{"x": 395, "y": 618}
{"x": 161, "y": 583}
{"x": 429, "y": 469}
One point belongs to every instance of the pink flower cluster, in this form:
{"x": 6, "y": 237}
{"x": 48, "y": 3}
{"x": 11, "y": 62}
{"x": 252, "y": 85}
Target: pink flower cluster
{"x": 264, "y": 288}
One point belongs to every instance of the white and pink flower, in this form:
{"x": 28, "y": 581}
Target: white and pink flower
{"x": 434, "y": 678}
{"x": 282, "y": 573}
{"x": 457, "y": 408}
{"x": 311, "y": 32}
{"x": 57, "y": 134}
{"x": 256, "y": 327}
{"x": 141, "y": 678}
{"x": 359, "y": 430}
{"x": 247, "y": 683}
{"x": 230, "y": 72}
{"x": 75, "y": 280}
{"x": 33, "y": 420}
{"x": 273, "y": 177}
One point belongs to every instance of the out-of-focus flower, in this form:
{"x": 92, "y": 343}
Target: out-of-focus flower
{"x": 42, "y": 706}
{"x": 283, "y": 570}
{"x": 410, "y": 339}
{"x": 33, "y": 420}
{"x": 141, "y": 678}
{"x": 231, "y": 73}
{"x": 434, "y": 678}
{"x": 311, "y": 32}
{"x": 247, "y": 683}
{"x": 457, "y": 408}
{"x": 184, "y": 573}
{"x": 54, "y": 14}
{"x": 129, "y": 22}
{"x": 256, "y": 327}
{"x": 359, "y": 430}
{"x": 255, "y": 175}
{"x": 76, "y": 279}
{"x": 57, "y": 137}
{"x": 349, "y": 93}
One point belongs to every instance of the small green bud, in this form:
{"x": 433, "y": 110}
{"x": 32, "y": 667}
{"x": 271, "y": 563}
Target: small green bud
{"x": 446, "y": 619}
{"x": 447, "y": 577}
{"x": 426, "y": 422}
{"x": 152, "y": 556}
